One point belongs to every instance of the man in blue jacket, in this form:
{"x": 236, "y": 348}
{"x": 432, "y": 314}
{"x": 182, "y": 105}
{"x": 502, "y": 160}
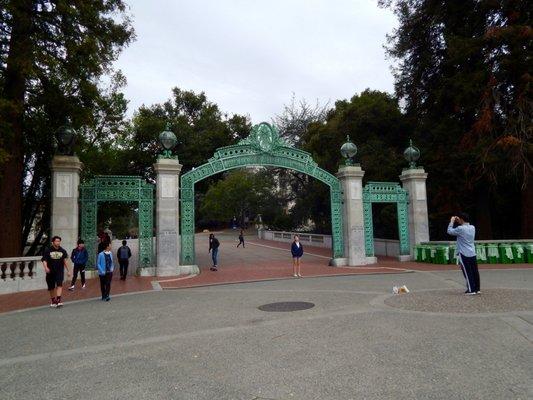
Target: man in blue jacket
{"x": 79, "y": 257}
{"x": 466, "y": 250}
{"x": 105, "y": 271}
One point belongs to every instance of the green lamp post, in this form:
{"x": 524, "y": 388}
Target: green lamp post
{"x": 348, "y": 151}
{"x": 168, "y": 141}
{"x": 411, "y": 154}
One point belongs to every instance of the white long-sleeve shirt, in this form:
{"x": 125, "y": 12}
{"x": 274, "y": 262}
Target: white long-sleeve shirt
{"x": 465, "y": 234}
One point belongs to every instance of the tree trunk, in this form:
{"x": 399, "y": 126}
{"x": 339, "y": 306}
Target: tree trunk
{"x": 527, "y": 210}
{"x": 483, "y": 216}
{"x": 19, "y": 62}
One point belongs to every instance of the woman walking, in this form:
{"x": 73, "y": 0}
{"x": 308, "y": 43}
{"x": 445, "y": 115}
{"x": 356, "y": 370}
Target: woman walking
{"x": 105, "y": 271}
{"x": 297, "y": 251}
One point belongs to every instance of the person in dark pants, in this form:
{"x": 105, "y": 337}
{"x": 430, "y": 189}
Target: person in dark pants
{"x": 79, "y": 257}
{"x": 241, "y": 239}
{"x": 105, "y": 271}
{"x": 297, "y": 251}
{"x": 123, "y": 256}
{"x": 55, "y": 262}
{"x": 213, "y": 248}
{"x": 466, "y": 250}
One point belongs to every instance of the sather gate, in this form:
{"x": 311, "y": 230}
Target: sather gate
{"x": 263, "y": 147}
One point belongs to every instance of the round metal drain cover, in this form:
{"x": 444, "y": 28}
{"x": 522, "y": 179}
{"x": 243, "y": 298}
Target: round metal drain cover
{"x": 285, "y": 306}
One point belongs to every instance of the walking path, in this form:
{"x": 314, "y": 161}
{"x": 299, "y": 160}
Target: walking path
{"x": 260, "y": 260}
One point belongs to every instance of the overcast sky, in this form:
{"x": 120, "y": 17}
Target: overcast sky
{"x": 249, "y": 56}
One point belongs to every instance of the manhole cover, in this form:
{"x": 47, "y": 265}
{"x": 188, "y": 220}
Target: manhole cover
{"x": 285, "y": 306}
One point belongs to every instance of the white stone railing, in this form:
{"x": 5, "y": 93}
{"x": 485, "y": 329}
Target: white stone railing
{"x": 287, "y": 237}
{"x": 20, "y": 274}
{"x": 382, "y": 247}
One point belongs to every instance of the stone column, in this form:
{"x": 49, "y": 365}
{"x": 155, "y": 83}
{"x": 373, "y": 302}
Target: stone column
{"x": 167, "y": 216}
{"x": 351, "y": 178}
{"x": 65, "y": 193}
{"x": 414, "y": 181}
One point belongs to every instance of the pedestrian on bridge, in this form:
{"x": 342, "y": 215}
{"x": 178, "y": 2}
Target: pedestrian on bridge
{"x": 241, "y": 239}
{"x": 297, "y": 251}
{"x": 213, "y": 249}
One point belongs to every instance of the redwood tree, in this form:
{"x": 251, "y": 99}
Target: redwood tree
{"x": 52, "y": 54}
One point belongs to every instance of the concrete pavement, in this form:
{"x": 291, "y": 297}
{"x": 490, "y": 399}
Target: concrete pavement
{"x": 358, "y": 342}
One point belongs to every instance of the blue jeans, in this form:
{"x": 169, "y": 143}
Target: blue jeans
{"x": 214, "y": 256}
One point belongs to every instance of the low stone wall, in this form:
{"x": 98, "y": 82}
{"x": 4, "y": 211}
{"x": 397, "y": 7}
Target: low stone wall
{"x": 386, "y": 247}
{"x": 287, "y": 237}
{"x": 19, "y": 274}
{"x": 382, "y": 247}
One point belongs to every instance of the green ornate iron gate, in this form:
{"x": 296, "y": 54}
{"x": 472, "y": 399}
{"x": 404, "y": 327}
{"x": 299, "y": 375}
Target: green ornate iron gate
{"x": 386, "y": 192}
{"x": 118, "y": 188}
{"x": 263, "y": 147}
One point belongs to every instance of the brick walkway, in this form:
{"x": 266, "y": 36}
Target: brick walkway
{"x": 260, "y": 260}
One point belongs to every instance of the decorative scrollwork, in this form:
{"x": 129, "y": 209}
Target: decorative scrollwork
{"x": 386, "y": 192}
{"x": 118, "y": 188}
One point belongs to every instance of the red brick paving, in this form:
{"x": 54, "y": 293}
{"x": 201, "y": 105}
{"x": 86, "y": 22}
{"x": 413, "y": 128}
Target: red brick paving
{"x": 261, "y": 260}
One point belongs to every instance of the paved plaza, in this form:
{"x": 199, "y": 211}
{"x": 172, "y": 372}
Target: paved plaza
{"x": 358, "y": 341}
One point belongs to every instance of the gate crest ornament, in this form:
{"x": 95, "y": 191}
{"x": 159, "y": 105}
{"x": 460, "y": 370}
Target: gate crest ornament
{"x": 264, "y": 138}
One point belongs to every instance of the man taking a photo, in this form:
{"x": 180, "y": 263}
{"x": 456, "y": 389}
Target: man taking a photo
{"x": 466, "y": 250}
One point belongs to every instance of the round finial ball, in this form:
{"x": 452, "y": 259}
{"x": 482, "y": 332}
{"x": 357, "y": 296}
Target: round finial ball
{"x": 167, "y": 138}
{"x": 348, "y": 149}
{"x": 65, "y": 135}
{"x": 411, "y": 154}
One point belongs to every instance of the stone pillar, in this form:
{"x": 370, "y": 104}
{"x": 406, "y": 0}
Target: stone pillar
{"x": 167, "y": 216}
{"x": 351, "y": 178}
{"x": 64, "y": 221}
{"x": 414, "y": 181}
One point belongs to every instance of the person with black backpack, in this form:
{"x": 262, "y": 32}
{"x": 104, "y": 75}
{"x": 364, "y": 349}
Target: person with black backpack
{"x": 123, "y": 256}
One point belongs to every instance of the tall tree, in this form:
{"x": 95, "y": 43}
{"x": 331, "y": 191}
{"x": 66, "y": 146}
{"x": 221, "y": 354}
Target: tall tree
{"x": 52, "y": 53}
{"x": 379, "y": 129}
{"x": 198, "y": 123}
{"x": 464, "y": 73}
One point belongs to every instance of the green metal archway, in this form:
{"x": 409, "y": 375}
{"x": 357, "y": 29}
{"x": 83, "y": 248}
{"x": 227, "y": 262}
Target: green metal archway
{"x": 118, "y": 188}
{"x": 263, "y": 147}
{"x": 386, "y": 192}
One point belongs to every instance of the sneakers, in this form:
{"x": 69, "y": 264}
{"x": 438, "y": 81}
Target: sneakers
{"x": 71, "y": 288}
{"x": 213, "y": 269}
{"x": 299, "y": 275}
{"x": 59, "y": 302}
{"x": 83, "y": 286}
{"x": 53, "y": 302}
{"x": 471, "y": 293}
{"x": 295, "y": 275}
{"x": 107, "y": 298}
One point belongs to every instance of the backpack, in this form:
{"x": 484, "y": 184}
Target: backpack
{"x": 123, "y": 253}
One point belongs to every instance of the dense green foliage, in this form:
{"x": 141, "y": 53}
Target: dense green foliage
{"x": 244, "y": 194}
{"x": 464, "y": 74}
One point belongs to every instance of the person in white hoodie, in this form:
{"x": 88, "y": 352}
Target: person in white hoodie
{"x": 105, "y": 271}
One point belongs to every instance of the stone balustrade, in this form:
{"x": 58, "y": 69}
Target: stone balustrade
{"x": 20, "y": 274}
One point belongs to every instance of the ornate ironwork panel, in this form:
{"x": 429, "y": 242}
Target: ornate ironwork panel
{"x": 386, "y": 192}
{"x": 263, "y": 147}
{"x": 118, "y": 188}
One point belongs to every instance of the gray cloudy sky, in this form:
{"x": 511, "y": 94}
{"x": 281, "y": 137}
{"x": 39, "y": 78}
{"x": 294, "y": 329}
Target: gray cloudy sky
{"x": 249, "y": 56}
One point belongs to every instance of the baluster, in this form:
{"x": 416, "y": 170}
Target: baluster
{"x": 31, "y": 267}
{"x": 13, "y": 266}
{"x": 3, "y": 268}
